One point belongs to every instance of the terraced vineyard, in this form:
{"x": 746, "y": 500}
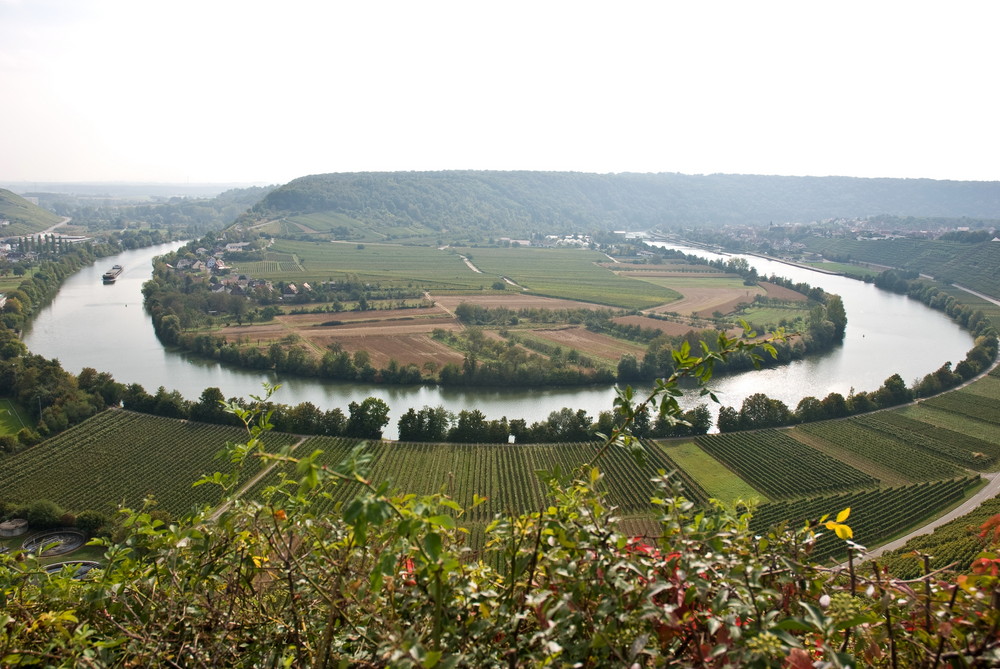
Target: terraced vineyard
{"x": 781, "y": 467}
{"x": 121, "y": 457}
{"x": 888, "y": 451}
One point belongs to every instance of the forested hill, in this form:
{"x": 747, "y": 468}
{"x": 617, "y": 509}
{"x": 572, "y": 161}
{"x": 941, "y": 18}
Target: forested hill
{"x": 22, "y": 216}
{"x": 516, "y": 204}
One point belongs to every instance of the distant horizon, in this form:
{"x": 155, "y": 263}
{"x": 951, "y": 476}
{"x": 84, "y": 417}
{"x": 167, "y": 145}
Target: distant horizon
{"x": 5, "y": 183}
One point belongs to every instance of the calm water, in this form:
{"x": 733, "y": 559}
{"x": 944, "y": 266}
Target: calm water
{"x": 90, "y": 324}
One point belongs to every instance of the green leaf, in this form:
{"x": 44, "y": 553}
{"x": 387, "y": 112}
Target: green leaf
{"x": 442, "y": 521}
{"x": 432, "y": 544}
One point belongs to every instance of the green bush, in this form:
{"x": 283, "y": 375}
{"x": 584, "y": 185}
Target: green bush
{"x": 43, "y": 514}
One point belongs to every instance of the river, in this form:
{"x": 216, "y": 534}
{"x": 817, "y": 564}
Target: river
{"x": 90, "y": 324}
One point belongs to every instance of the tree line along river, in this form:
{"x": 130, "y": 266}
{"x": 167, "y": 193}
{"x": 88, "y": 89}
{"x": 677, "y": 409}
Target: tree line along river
{"x": 90, "y": 324}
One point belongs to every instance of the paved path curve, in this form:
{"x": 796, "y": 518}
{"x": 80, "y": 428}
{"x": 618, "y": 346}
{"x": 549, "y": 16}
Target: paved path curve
{"x": 989, "y": 491}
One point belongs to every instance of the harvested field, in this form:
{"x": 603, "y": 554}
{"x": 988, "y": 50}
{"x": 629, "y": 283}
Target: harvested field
{"x": 356, "y": 326}
{"x": 703, "y": 301}
{"x": 404, "y": 348}
{"x": 513, "y": 301}
{"x": 781, "y": 293}
{"x": 588, "y": 343}
{"x": 666, "y": 327}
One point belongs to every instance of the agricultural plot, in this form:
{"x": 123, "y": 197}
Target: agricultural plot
{"x": 987, "y": 387}
{"x": 886, "y": 451}
{"x": 704, "y": 296}
{"x": 953, "y": 446}
{"x": 781, "y": 467}
{"x": 10, "y": 417}
{"x": 957, "y": 423}
{"x": 876, "y": 514}
{"x": 592, "y": 344}
{"x": 504, "y": 474}
{"x": 120, "y": 457}
{"x": 708, "y": 474}
{"x": 957, "y": 542}
{"x": 387, "y": 264}
{"x": 967, "y": 404}
{"x": 573, "y": 274}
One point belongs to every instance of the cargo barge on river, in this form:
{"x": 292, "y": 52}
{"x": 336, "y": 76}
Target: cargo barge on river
{"x": 112, "y": 274}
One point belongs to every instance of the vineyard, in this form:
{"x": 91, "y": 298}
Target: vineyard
{"x": 967, "y": 404}
{"x": 887, "y": 451}
{"x": 781, "y": 467}
{"x": 954, "y": 542}
{"x": 958, "y": 448}
{"x": 876, "y": 514}
{"x": 120, "y": 457}
{"x": 504, "y": 474}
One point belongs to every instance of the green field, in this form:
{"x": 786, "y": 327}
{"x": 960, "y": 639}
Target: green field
{"x": 844, "y": 268}
{"x": 768, "y": 318}
{"x": 572, "y": 274}
{"x": 391, "y": 265}
{"x": 11, "y": 420}
{"x": 712, "y": 475}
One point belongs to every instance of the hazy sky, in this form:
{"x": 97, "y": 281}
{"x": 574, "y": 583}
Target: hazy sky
{"x": 248, "y": 91}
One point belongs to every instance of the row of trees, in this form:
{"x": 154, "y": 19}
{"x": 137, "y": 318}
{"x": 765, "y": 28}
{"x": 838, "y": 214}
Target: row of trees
{"x": 436, "y": 424}
{"x": 760, "y": 411}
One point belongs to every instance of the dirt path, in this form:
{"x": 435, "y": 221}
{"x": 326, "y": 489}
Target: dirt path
{"x": 249, "y": 484}
{"x": 989, "y": 491}
{"x": 469, "y": 263}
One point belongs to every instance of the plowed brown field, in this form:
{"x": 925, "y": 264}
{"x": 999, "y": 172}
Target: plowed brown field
{"x": 590, "y": 343}
{"x": 703, "y": 302}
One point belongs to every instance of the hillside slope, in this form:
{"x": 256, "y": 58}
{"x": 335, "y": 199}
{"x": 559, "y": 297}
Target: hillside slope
{"x": 470, "y": 204}
{"x": 25, "y": 218}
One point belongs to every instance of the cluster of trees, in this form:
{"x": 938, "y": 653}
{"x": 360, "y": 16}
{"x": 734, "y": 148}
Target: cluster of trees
{"x": 436, "y": 424}
{"x": 365, "y": 419}
{"x": 909, "y": 283}
{"x": 825, "y": 328}
{"x": 43, "y": 514}
{"x": 760, "y": 411}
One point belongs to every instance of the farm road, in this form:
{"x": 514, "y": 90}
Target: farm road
{"x": 251, "y": 483}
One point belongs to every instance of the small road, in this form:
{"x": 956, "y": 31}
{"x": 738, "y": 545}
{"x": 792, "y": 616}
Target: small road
{"x": 249, "y": 484}
{"x": 989, "y": 491}
{"x": 64, "y": 221}
{"x": 977, "y": 294}
{"x": 469, "y": 263}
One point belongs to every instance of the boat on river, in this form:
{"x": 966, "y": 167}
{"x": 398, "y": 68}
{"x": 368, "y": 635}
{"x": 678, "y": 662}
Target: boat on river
{"x": 112, "y": 274}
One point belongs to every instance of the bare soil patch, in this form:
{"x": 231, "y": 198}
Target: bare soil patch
{"x": 703, "y": 302}
{"x": 589, "y": 343}
{"x": 781, "y": 293}
{"x": 666, "y": 327}
{"x": 405, "y": 348}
